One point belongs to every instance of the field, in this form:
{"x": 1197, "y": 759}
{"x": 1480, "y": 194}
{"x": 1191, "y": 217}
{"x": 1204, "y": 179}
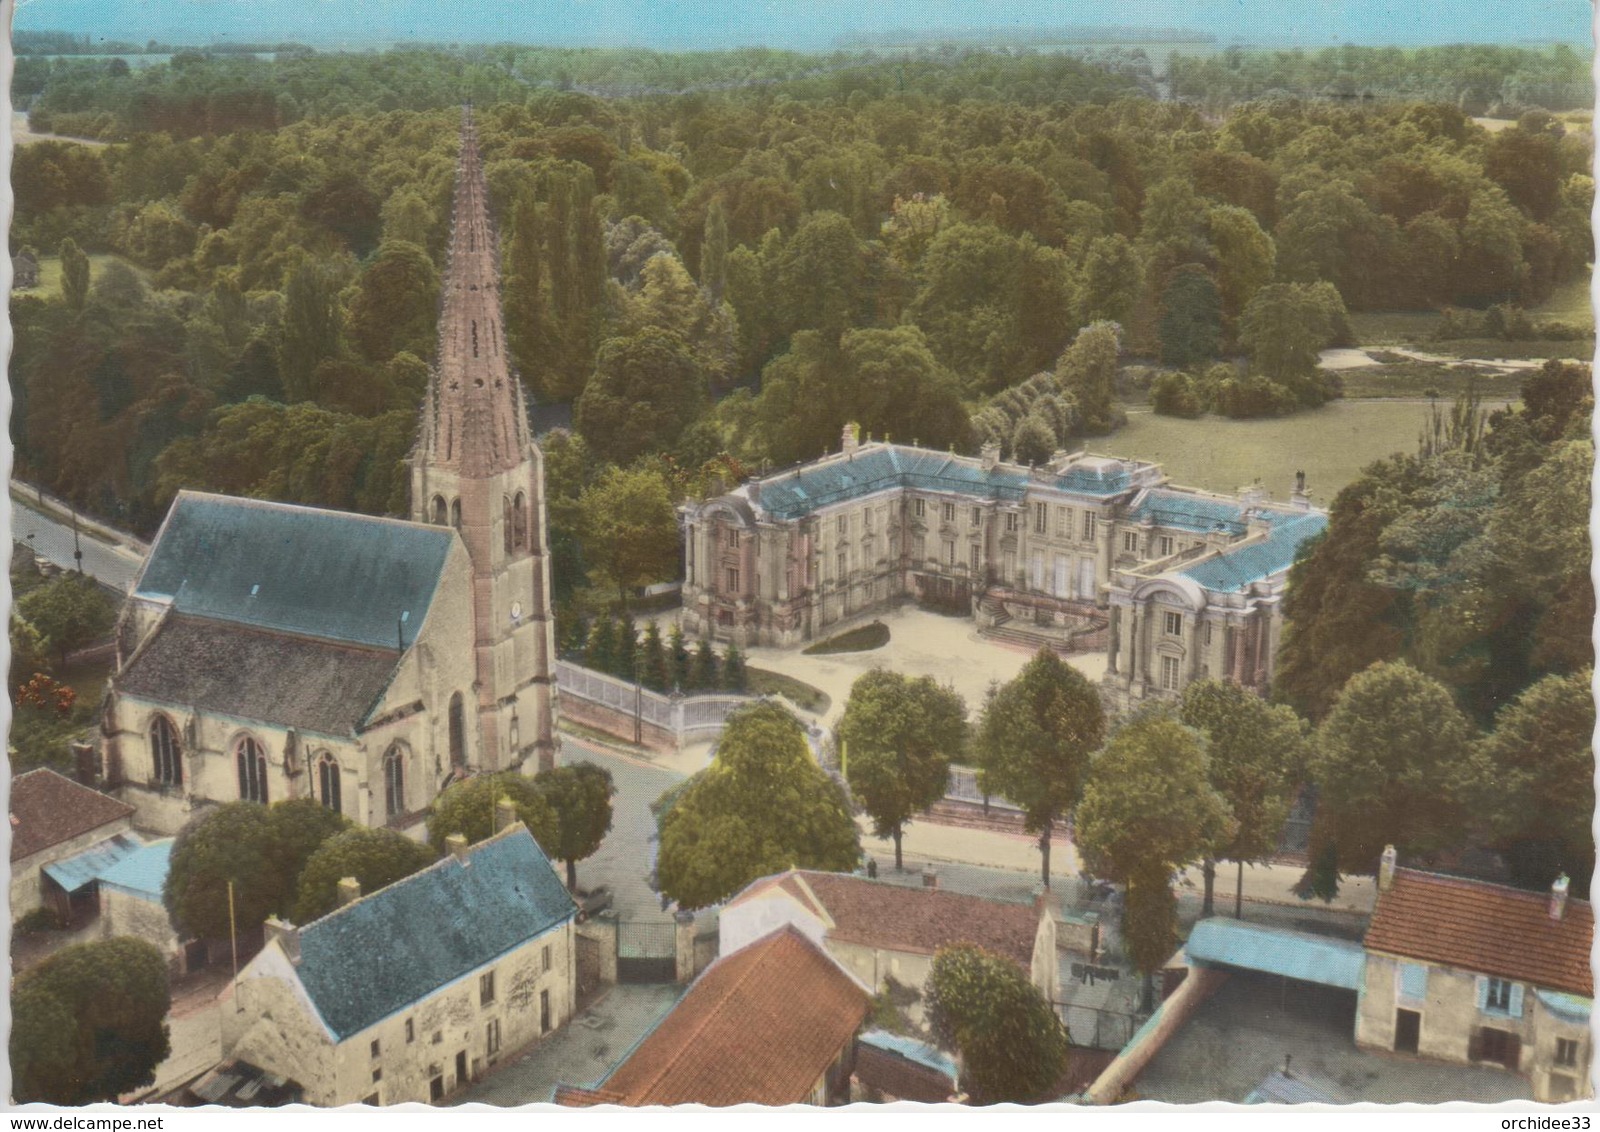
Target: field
{"x": 1331, "y": 445}
{"x": 1570, "y": 304}
{"x": 50, "y": 273}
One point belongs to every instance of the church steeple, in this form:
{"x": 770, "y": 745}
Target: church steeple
{"x": 477, "y": 468}
{"x": 476, "y": 421}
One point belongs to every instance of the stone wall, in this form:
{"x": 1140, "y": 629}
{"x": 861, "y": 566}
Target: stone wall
{"x": 27, "y": 886}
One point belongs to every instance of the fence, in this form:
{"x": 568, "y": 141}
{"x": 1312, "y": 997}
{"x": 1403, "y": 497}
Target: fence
{"x": 1099, "y": 1028}
{"x": 647, "y": 952}
{"x": 963, "y": 787}
{"x": 638, "y": 714}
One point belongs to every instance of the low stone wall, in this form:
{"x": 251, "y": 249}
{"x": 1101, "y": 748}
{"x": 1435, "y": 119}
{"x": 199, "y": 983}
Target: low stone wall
{"x": 623, "y": 709}
{"x": 1200, "y": 984}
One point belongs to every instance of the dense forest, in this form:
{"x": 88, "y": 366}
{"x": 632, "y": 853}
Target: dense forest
{"x": 952, "y": 246}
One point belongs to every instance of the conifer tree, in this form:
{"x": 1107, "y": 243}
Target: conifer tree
{"x": 678, "y": 660}
{"x": 654, "y": 657}
{"x": 734, "y": 676}
{"x": 627, "y": 649}
{"x": 600, "y": 654}
{"x": 702, "y": 668}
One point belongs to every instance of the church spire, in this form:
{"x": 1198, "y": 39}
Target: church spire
{"x": 475, "y": 422}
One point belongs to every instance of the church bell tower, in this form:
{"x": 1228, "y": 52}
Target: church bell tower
{"x": 476, "y": 467}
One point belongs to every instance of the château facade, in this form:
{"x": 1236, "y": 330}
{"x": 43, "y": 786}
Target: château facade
{"x": 269, "y": 651}
{"x": 1086, "y": 553}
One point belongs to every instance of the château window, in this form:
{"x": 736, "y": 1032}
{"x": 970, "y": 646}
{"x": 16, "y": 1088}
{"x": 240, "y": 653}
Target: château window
{"x": 1130, "y": 542}
{"x": 165, "y": 752}
{"x": 328, "y": 782}
{"x": 519, "y": 521}
{"x": 1169, "y": 674}
{"x": 1011, "y": 522}
{"x": 252, "y": 762}
{"x": 1064, "y": 522}
{"x": 733, "y": 540}
{"x": 977, "y": 558}
{"x": 977, "y": 517}
{"x": 844, "y": 525}
{"x": 1088, "y": 526}
{"x": 394, "y": 782}
{"x": 1173, "y": 623}
{"x": 949, "y": 552}
{"x": 949, "y": 512}
{"x": 733, "y": 580}
{"x": 919, "y": 507}
{"x": 1166, "y": 545}
{"x": 842, "y": 562}
{"x": 1041, "y": 518}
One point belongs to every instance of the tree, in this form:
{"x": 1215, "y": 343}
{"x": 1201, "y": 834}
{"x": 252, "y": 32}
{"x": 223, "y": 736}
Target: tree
{"x": 89, "y": 1024}
{"x": 313, "y": 323}
{"x": 1286, "y": 325}
{"x": 1148, "y": 808}
{"x": 1034, "y": 741}
{"x": 899, "y": 736}
{"x": 629, "y": 529}
{"x": 734, "y": 676}
{"x": 1390, "y": 763}
{"x": 1111, "y": 279}
{"x": 74, "y": 275}
{"x": 1256, "y": 755}
{"x": 1011, "y": 1044}
{"x": 678, "y": 663}
{"x": 703, "y": 668}
{"x": 600, "y": 651}
{"x": 1191, "y": 317}
{"x": 1539, "y": 785}
{"x": 762, "y": 806}
{"x": 374, "y": 857}
{"x": 395, "y": 302}
{"x": 669, "y": 299}
{"x": 1088, "y": 370}
{"x": 222, "y": 850}
{"x": 579, "y": 796}
{"x": 1245, "y": 258}
{"x": 1174, "y": 394}
{"x": 714, "y": 252}
{"x": 469, "y": 808}
{"x": 654, "y": 659}
{"x": 296, "y": 829}
{"x": 70, "y": 611}
{"x": 646, "y": 389}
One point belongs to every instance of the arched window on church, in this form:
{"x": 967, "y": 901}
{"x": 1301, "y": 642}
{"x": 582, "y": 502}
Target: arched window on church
{"x": 519, "y": 522}
{"x": 166, "y": 754}
{"x": 458, "y": 732}
{"x": 394, "y": 781}
{"x": 439, "y": 512}
{"x": 455, "y": 513}
{"x": 252, "y": 760}
{"x": 328, "y": 782}
{"x": 505, "y": 524}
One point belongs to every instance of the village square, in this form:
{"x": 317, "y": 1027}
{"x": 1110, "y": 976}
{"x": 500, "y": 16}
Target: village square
{"x": 470, "y": 689}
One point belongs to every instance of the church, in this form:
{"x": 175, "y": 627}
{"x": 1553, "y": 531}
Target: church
{"x": 270, "y": 651}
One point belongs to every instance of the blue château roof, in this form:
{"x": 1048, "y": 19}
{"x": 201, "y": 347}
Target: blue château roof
{"x": 368, "y": 960}
{"x": 880, "y": 467}
{"x": 1236, "y": 568}
{"x": 327, "y": 574}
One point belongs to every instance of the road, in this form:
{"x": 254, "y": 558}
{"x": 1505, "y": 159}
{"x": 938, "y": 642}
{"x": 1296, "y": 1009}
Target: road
{"x": 51, "y": 539}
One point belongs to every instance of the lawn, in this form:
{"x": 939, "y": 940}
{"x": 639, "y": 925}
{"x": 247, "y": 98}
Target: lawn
{"x": 1570, "y": 303}
{"x": 864, "y": 638}
{"x": 50, "y": 273}
{"x": 768, "y": 683}
{"x": 1425, "y": 381}
{"x": 1331, "y": 445}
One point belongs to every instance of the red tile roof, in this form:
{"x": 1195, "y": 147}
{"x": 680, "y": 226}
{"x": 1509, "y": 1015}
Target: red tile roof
{"x": 761, "y": 1026}
{"x": 47, "y": 809}
{"x": 895, "y": 917}
{"x": 1489, "y": 929}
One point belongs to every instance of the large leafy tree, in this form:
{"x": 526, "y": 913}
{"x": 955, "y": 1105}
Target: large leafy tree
{"x": 374, "y": 857}
{"x": 1148, "y": 808}
{"x": 1191, "y": 317}
{"x": 1012, "y": 1046}
{"x": 1256, "y": 756}
{"x": 1538, "y": 792}
{"x": 74, "y": 274}
{"x": 646, "y": 389}
{"x": 899, "y": 736}
{"x": 69, "y": 612}
{"x": 468, "y": 808}
{"x": 395, "y": 302}
{"x": 1391, "y": 766}
{"x": 579, "y": 796}
{"x": 1285, "y": 325}
{"x": 1034, "y": 741}
{"x": 226, "y": 847}
{"x": 89, "y": 1023}
{"x": 762, "y": 806}
{"x": 296, "y": 829}
{"x": 629, "y": 529}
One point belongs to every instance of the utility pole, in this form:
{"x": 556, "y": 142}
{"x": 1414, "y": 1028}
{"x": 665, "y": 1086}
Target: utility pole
{"x": 77, "y": 547}
{"x": 638, "y": 701}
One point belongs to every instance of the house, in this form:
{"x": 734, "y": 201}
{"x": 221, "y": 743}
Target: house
{"x": 408, "y": 993}
{"x": 771, "y": 1024}
{"x": 270, "y": 651}
{"x": 893, "y": 1067}
{"x": 1470, "y": 972}
{"x": 1087, "y": 552}
{"x": 63, "y": 834}
{"x": 131, "y": 905}
{"x": 880, "y": 931}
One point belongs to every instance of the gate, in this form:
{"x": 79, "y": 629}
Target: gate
{"x": 588, "y": 964}
{"x": 647, "y": 952}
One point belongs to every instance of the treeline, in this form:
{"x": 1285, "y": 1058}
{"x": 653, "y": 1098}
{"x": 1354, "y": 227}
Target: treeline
{"x": 1478, "y": 78}
{"x": 668, "y": 665}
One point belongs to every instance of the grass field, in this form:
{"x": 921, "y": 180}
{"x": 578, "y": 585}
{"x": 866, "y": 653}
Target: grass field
{"x": 1331, "y": 445}
{"x": 1426, "y": 380}
{"x": 1570, "y": 303}
{"x": 50, "y": 273}
{"x": 768, "y": 683}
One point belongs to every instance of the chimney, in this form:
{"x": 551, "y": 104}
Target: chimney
{"x": 753, "y": 491}
{"x": 456, "y": 846}
{"x": 991, "y": 456}
{"x": 851, "y": 438}
{"x": 286, "y": 934}
{"x": 1558, "y": 897}
{"x": 1386, "y": 869}
{"x": 1298, "y": 497}
{"x": 349, "y": 891}
{"x": 930, "y": 879}
{"x": 505, "y": 814}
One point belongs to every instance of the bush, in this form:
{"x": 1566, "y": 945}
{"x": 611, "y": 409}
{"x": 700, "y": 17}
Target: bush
{"x": 860, "y": 639}
{"x": 1174, "y": 395}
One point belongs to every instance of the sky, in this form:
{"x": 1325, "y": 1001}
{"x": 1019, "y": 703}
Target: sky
{"x": 796, "y": 24}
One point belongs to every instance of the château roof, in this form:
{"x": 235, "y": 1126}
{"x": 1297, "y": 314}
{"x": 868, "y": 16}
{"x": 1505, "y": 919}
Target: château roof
{"x": 325, "y": 574}
{"x": 1236, "y": 567}
{"x": 475, "y": 421}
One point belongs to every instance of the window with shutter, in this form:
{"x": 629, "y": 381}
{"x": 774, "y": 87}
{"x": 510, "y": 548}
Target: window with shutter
{"x": 1413, "y": 981}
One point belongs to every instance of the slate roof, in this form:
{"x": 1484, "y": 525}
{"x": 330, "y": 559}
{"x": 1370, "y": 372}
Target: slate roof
{"x": 143, "y": 873}
{"x": 1489, "y": 929}
{"x": 327, "y": 574}
{"x": 895, "y": 917}
{"x": 256, "y": 674}
{"x": 1276, "y": 951}
{"x": 879, "y": 467}
{"x": 48, "y": 808}
{"x": 365, "y": 961}
{"x": 760, "y": 1026}
{"x": 1191, "y": 511}
{"x": 86, "y": 866}
{"x": 1237, "y": 567}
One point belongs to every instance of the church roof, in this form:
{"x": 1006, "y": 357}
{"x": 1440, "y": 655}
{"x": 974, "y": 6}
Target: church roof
{"x": 260, "y": 675}
{"x": 328, "y": 574}
{"x": 363, "y": 962}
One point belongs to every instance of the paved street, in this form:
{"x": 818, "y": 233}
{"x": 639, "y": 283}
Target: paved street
{"x": 51, "y": 539}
